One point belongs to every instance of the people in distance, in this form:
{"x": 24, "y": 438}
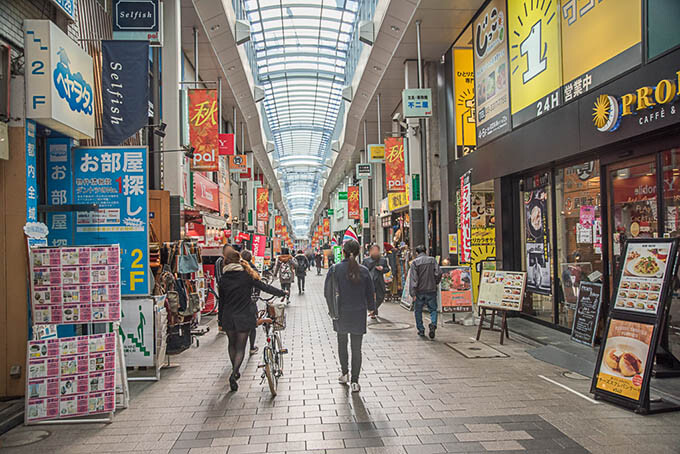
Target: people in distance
{"x": 378, "y": 266}
{"x": 284, "y": 269}
{"x": 424, "y": 281}
{"x": 301, "y": 267}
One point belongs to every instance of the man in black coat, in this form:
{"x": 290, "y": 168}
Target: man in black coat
{"x": 378, "y": 266}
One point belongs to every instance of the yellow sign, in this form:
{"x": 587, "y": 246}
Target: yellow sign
{"x": 376, "y": 153}
{"x": 464, "y": 94}
{"x": 397, "y": 200}
{"x": 535, "y": 59}
{"x": 453, "y": 243}
{"x": 600, "y": 40}
{"x": 483, "y": 248}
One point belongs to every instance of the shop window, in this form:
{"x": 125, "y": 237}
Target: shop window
{"x": 663, "y": 32}
{"x": 537, "y": 254}
{"x": 671, "y": 199}
{"x": 579, "y": 233}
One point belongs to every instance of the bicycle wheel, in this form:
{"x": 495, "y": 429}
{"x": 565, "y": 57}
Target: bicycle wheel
{"x": 278, "y": 355}
{"x": 268, "y": 366}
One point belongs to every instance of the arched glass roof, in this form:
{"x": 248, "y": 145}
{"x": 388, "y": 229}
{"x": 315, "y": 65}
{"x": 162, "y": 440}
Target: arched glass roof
{"x": 300, "y": 53}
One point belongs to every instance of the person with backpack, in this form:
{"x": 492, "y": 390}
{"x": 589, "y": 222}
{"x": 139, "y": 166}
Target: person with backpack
{"x": 284, "y": 269}
{"x": 349, "y": 289}
{"x": 238, "y": 314}
{"x": 301, "y": 267}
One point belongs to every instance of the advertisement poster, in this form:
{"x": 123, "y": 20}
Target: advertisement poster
{"x": 203, "y": 129}
{"x": 456, "y": 289}
{"x": 465, "y": 219}
{"x": 537, "y": 241}
{"x": 115, "y": 179}
{"x": 453, "y": 243}
{"x": 59, "y": 188}
{"x": 136, "y": 331}
{"x": 262, "y": 198}
{"x": 502, "y": 290}
{"x": 259, "y": 245}
{"x": 353, "y": 208}
{"x": 71, "y": 376}
{"x": 535, "y": 59}
{"x": 587, "y": 313}
{"x": 492, "y": 94}
{"x": 644, "y": 270}
{"x": 622, "y": 368}
{"x": 483, "y": 252}
{"x": 238, "y": 163}
{"x": 395, "y": 175}
{"x": 464, "y": 97}
{"x": 589, "y": 25}
{"x": 376, "y": 152}
{"x": 75, "y": 284}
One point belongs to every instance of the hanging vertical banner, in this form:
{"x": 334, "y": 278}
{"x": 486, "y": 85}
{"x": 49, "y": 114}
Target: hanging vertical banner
{"x": 464, "y": 93}
{"x": 59, "y": 190}
{"x": 227, "y": 144}
{"x": 259, "y": 244}
{"x": 394, "y": 164}
{"x": 262, "y": 204}
{"x": 353, "y": 208}
{"x": 491, "y": 72}
{"x": 125, "y": 89}
{"x": 465, "y": 219}
{"x": 326, "y": 227}
{"x": 238, "y": 163}
{"x": 203, "y": 131}
{"x": 278, "y": 223}
{"x": 31, "y": 174}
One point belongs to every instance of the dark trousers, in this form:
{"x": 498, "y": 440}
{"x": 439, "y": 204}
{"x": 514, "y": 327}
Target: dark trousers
{"x": 253, "y": 335}
{"x": 285, "y": 286}
{"x": 356, "y": 354}
{"x": 318, "y": 269}
{"x": 379, "y": 298}
{"x": 301, "y": 283}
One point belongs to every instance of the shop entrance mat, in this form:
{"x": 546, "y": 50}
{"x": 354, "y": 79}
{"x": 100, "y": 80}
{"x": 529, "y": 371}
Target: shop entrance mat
{"x": 472, "y": 350}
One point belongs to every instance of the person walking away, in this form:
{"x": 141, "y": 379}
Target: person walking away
{"x": 356, "y": 297}
{"x": 318, "y": 258}
{"x": 377, "y": 265}
{"x": 284, "y": 269}
{"x": 248, "y": 257}
{"x": 219, "y": 264}
{"x": 301, "y": 267}
{"x": 239, "y": 314}
{"x": 425, "y": 277}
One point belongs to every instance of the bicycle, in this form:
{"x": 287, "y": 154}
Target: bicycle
{"x": 273, "y": 321}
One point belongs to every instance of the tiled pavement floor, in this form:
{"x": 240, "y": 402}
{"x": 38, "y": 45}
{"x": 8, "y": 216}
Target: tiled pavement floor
{"x": 418, "y": 397}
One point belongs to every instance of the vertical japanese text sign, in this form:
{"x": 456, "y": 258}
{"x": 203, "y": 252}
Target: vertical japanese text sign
{"x": 59, "y": 190}
{"x": 262, "y": 204}
{"x": 203, "y": 132}
{"x": 394, "y": 164}
{"x": 31, "y": 176}
{"x": 353, "y": 211}
{"x": 465, "y": 226}
{"x": 115, "y": 179}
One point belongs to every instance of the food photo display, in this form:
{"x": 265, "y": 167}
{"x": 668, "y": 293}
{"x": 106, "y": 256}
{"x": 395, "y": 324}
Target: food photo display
{"x": 502, "y": 290}
{"x": 644, "y": 269}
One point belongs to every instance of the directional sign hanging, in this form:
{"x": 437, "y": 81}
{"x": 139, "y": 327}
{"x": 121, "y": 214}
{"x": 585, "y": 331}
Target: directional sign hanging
{"x": 417, "y": 102}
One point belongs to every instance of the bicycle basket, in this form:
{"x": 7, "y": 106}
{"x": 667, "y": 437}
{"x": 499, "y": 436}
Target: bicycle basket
{"x": 278, "y": 312}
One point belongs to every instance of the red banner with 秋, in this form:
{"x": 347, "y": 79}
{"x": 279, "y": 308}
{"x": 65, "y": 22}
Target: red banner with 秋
{"x": 262, "y": 204}
{"x": 203, "y": 129}
{"x": 326, "y": 227}
{"x": 353, "y": 210}
{"x": 278, "y": 223}
{"x": 395, "y": 171}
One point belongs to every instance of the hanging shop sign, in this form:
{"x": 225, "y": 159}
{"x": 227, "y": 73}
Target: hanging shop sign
{"x": 68, "y": 7}
{"x": 330, "y": 212}
{"x": 31, "y": 173}
{"x": 337, "y": 254}
{"x": 353, "y": 208}
{"x": 537, "y": 239}
{"x": 59, "y": 190}
{"x": 465, "y": 219}
{"x": 238, "y": 163}
{"x": 115, "y": 179}
{"x": 587, "y": 313}
{"x": 502, "y": 290}
{"x": 394, "y": 164}
{"x": 491, "y": 72}
{"x": 415, "y": 185}
{"x": 417, "y": 102}
{"x": 453, "y": 243}
{"x": 259, "y": 244}
{"x": 206, "y": 192}
{"x": 464, "y": 97}
{"x": 326, "y": 227}
{"x": 342, "y": 195}
{"x": 262, "y": 198}
{"x": 376, "y": 153}
{"x": 227, "y": 144}
{"x": 203, "y": 129}
{"x": 136, "y": 329}
{"x": 455, "y": 289}
{"x": 588, "y": 26}
{"x": 136, "y": 20}
{"x": 364, "y": 171}
{"x": 125, "y": 89}
{"x": 397, "y": 200}
{"x": 536, "y": 69}
{"x": 59, "y": 80}
{"x": 247, "y": 175}
{"x": 278, "y": 223}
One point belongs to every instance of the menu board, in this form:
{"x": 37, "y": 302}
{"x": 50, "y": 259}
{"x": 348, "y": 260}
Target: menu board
{"x": 456, "y": 289}
{"x": 502, "y": 290}
{"x": 587, "y": 312}
{"x": 72, "y": 376}
{"x": 75, "y": 284}
{"x": 644, "y": 269}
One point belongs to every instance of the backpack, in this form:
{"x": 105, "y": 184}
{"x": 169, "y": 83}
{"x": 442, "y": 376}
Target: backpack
{"x": 301, "y": 264}
{"x": 286, "y": 272}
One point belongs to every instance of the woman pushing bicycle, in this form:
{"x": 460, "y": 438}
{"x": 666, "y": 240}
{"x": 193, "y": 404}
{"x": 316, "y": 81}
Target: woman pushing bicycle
{"x": 239, "y": 314}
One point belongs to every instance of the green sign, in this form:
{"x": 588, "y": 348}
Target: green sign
{"x": 365, "y": 215}
{"x": 337, "y": 254}
{"x": 331, "y": 211}
{"x": 342, "y": 195}
{"x": 415, "y": 184}
{"x": 250, "y": 217}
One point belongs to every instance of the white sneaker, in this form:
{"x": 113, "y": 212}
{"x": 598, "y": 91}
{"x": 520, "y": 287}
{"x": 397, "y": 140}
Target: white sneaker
{"x": 356, "y": 388}
{"x": 344, "y": 379}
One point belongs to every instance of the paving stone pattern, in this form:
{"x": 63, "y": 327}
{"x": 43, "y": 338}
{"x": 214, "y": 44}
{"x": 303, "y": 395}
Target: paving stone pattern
{"x": 418, "y": 397}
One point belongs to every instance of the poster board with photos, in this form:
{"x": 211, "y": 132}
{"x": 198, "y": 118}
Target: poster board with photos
{"x": 502, "y": 290}
{"x": 587, "y": 313}
{"x": 455, "y": 289}
{"x": 624, "y": 365}
{"x": 537, "y": 234}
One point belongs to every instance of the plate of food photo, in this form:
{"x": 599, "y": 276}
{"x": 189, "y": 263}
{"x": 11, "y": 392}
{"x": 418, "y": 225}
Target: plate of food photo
{"x": 624, "y": 357}
{"x": 645, "y": 266}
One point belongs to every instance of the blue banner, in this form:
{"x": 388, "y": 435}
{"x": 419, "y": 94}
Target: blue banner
{"x": 59, "y": 190}
{"x": 125, "y": 89}
{"x": 115, "y": 178}
{"x": 31, "y": 178}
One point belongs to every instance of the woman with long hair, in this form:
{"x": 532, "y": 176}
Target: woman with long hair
{"x": 239, "y": 314}
{"x": 356, "y": 299}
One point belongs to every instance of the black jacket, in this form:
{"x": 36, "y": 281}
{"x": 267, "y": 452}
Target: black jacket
{"x": 377, "y": 275}
{"x": 238, "y": 311}
{"x": 425, "y": 275}
{"x": 302, "y": 265}
{"x": 356, "y": 299}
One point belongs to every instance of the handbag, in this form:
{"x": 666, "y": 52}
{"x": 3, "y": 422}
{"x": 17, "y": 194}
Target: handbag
{"x": 332, "y": 294}
{"x": 193, "y": 300}
{"x": 187, "y": 263}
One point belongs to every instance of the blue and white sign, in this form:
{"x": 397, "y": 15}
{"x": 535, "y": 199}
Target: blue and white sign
{"x": 136, "y": 20}
{"x": 67, "y": 6}
{"x": 59, "y": 190}
{"x": 417, "y": 102}
{"x": 115, "y": 178}
{"x": 59, "y": 80}
{"x": 31, "y": 177}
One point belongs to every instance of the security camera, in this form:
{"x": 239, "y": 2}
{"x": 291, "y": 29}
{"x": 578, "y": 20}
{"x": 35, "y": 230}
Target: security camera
{"x": 397, "y": 117}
